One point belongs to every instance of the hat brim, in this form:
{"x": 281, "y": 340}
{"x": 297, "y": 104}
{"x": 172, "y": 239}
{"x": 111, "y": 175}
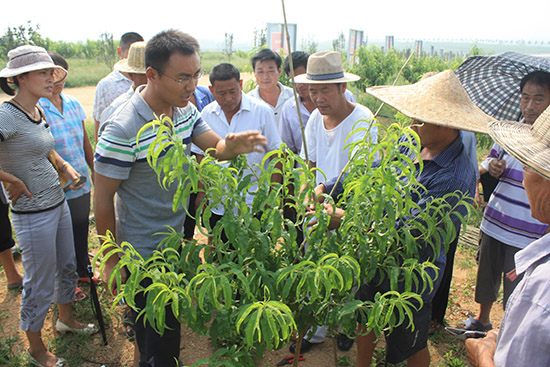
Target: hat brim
{"x": 59, "y": 72}
{"x": 518, "y": 140}
{"x": 123, "y": 66}
{"x": 348, "y": 77}
{"x": 439, "y": 100}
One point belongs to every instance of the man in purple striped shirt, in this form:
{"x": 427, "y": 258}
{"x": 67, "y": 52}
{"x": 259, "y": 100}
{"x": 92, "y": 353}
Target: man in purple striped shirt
{"x": 507, "y": 225}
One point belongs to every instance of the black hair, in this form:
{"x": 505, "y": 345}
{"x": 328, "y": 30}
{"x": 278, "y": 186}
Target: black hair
{"x": 539, "y": 77}
{"x": 6, "y": 87}
{"x": 163, "y": 45}
{"x": 224, "y": 71}
{"x": 266, "y": 54}
{"x": 299, "y": 58}
{"x": 59, "y": 60}
{"x": 128, "y": 38}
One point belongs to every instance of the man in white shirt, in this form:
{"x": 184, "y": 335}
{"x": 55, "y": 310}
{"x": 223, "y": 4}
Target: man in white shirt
{"x": 335, "y": 123}
{"x": 115, "y": 83}
{"x": 232, "y": 112}
{"x": 267, "y": 71}
{"x": 331, "y": 126}
{"x": 289, "y": 124}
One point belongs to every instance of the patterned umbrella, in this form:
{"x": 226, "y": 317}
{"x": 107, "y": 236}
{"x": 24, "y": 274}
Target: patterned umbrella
{"x": 493, "y": 81}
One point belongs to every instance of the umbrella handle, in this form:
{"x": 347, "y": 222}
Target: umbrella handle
{"x": 96, "y": 305}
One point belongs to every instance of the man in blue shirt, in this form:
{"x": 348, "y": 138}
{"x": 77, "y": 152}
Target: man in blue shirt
{"x": 446, "y": 169}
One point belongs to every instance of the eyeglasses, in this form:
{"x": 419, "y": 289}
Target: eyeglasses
{"x": 184, "y": 80}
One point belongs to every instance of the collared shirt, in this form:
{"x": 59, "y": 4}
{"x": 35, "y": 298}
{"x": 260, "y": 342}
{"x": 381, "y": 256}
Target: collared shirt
{"x": 469, "y": 141}
{"x": 289, "y": 125}
{"x": 143, "y": 207}
{"x": 108, "y": 88}
{"x": 203, "y": 97}
{"x": 252, "y": 115}
{"x": 285, "y": 95}
{"x": 446, "y": 173}
{"x": 507, "y": 216}
{"x": 524, "y": 336}
{"x": 68, "y": 133}
{"x": 120, "y": 100}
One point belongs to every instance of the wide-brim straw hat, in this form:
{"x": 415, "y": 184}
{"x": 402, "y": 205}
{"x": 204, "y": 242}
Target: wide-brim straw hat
{"x": 440, "y": 99}
{"x": 529, "y": 144}
{"x": 135, "y": 63}
{"x": 325, "y": 67}
{"x": 24, "y": 59}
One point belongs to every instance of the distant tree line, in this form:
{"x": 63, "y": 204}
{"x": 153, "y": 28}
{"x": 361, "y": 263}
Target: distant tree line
{"x": 104, "y": 49}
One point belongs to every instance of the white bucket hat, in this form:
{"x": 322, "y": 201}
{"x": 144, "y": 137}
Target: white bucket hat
{"x": 325, "y": 67}
{"x": 135, "y": 63}
{"x": 27, "y": 58}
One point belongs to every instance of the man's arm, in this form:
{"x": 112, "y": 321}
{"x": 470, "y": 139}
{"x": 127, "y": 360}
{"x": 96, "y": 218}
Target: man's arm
{"x": 233, "y": 144}
{"x": 481, "y": 351}
{"x": 104, "y": 209}
{"x": 88, "y": 152}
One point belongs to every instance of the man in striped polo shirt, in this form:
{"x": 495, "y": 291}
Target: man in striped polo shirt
{"x": 507, "y": 225}
{"x": 142, "y": 207}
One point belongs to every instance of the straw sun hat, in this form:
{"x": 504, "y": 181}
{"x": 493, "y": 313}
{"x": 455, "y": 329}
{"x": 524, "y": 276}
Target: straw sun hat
{"x": 325, "y": 67}
{"x": 529, "y": 144}
{"x": 27, "y": 58}
{"x": 439, "y": 99}
{"x": 135, "y": 63}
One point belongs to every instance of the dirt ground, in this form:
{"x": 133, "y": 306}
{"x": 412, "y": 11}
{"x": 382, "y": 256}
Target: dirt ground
{"x": 119, "y": 351}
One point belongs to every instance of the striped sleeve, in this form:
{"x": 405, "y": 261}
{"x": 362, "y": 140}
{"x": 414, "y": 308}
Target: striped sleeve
{"x": 8, "y": 126}
{"x": 115, "y": 154}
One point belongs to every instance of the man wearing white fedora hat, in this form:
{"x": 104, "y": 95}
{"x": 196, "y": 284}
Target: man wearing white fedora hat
{"x": 330, "y": 128}
{"x": 524, "y": 336}
{"x": 439, "y": 106}
{"x": 335, "y": 118}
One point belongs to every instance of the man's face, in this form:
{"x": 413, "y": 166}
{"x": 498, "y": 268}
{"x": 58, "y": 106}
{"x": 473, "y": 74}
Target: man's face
{"x": 534, "y": 100}
{"x": 228, "y": 94}
{"x": 267, "y": 74}
{"x": 301, "y": 88}
{"x": 171, "y": 84}
{"x": 538, "y": 193}
{"x": 428, "y": 133}
{"x": 328, "y": 98}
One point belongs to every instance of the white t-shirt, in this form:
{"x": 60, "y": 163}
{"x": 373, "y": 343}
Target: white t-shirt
{"x": 252, "y": 115}
{"x": 327, "y": 148}
{"x": 285, "y": 95}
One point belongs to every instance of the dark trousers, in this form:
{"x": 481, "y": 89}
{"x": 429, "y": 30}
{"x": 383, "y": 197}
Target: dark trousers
{"x": 80, "y": 212}
{"x": 441, "y": 297}
{"x": 156, "y": 350}
{"x": 189, "y": 224}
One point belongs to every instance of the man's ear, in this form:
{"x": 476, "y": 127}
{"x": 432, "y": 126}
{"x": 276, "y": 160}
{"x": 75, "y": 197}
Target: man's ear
{"x": 211, "y": 89}
{"x": 151, "y": 74}
{"x": 241, "y": 83}
{"x": 119, "y": 52}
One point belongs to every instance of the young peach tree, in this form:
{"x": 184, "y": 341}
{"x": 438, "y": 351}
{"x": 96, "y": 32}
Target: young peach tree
{"x": 258, "y": 288}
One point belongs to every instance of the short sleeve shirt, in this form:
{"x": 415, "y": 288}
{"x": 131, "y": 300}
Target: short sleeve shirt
{"x": 24, "y": 149}
{"x": 285, "y": 95}
{"x": 108, "y": 88}
{"x": 68, "y": 133}
{"x": 252, "y": 115}
{"x": 143, "y": 207}
{"x": 327, "y": 148}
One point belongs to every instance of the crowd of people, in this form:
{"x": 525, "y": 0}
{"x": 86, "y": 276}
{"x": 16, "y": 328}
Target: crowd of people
{"x": 47, "y": 168}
